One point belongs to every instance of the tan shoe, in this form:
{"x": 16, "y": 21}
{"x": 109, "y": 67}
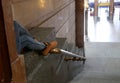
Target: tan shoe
{"x": 50, "y": 46}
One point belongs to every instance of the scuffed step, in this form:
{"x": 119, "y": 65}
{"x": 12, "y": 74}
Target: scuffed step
{"x": 35, "y": 64}
{"x": 75, "y": 50}
{"x": 69, "y": 47}
{"x": 43, "y": 34}
{"x": 31, "y": 58}
{"x": 61, "y": 43}
{"x": 31, "y": 61}
{"x": 74, "y": 67}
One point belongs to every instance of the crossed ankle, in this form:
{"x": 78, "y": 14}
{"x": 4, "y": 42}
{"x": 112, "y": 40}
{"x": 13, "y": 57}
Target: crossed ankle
{"x": 49, "y": 46}
{"x": 46, "y": 43}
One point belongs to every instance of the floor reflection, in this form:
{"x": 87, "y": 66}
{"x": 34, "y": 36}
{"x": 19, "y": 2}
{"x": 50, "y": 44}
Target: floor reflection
{"x": 104, "y": 30}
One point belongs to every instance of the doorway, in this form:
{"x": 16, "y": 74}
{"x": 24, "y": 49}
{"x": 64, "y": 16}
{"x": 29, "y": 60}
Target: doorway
{"x": 103, "y": 29}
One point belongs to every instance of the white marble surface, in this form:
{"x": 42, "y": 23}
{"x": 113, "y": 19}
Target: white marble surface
{"x": 102, "y": 64}
{"x": 103, "y": 30}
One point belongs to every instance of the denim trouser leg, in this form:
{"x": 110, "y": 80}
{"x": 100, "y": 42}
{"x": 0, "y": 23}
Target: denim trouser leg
{"x": 25, "y": 39}
{"x": 29, "y": 42}
{"x": 20, "y": 30}
{"x": 17, "y": 35}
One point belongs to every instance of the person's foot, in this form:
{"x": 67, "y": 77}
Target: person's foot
{"x": 49, "y": 47}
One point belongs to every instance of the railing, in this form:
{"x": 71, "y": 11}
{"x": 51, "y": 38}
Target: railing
{"x": 74, "y": 56}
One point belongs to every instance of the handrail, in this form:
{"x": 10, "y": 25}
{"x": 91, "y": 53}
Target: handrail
{"x": 67, "y": 53}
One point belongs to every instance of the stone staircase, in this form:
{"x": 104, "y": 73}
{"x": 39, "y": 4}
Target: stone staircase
{"x": 52, "y": 68}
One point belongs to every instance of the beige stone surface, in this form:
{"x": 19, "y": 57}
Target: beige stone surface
{"x": 64, "y": 23}
{"x": 30, "y": 11}
{"x": 47, "y": 13}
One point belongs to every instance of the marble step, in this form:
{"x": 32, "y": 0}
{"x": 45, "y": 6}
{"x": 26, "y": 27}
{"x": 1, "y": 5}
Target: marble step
{"x": 37, "y": 64}
{"x": 74, "y": 67}
{"x": 72, "y": 48}
{"x": 32, "y": 59}
{"x": 43, "y": 34}
{"x": 41, "y": 69}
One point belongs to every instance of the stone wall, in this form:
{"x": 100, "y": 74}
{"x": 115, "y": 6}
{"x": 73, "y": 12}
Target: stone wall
{"x": 44, "y": 14}
{"x": 47, "y": 13}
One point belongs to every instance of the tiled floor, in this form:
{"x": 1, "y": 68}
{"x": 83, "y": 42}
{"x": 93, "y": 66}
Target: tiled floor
{"x": 104, "y": 30}
{"x": 102, "y": 51}
{"x": 102, "y": 64}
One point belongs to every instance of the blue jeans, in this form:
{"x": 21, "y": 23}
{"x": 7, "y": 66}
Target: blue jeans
{"x": 25, "y": 39}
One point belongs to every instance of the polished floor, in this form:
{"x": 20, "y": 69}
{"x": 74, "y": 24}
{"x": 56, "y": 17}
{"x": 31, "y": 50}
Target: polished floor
{"x": 102, "y": 51}
{"x": 102, "y": 64}
{"x": 104, "y": 30}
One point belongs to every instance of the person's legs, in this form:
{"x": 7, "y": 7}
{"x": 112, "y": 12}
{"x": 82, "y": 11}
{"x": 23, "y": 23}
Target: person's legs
{"x": 49, "y": 47}
{"x": 21, "y": 30}
{"x": 25, "y": 39}
{"x": 30, "y": 43}
{"x": 17, "y": 35}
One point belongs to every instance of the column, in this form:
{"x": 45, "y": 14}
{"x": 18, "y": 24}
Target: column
{"x": 111, "y": 9}
{"x": 96, "y": 9}
{"x": 79, "y": 10}
{"x": 86, "y": 18}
